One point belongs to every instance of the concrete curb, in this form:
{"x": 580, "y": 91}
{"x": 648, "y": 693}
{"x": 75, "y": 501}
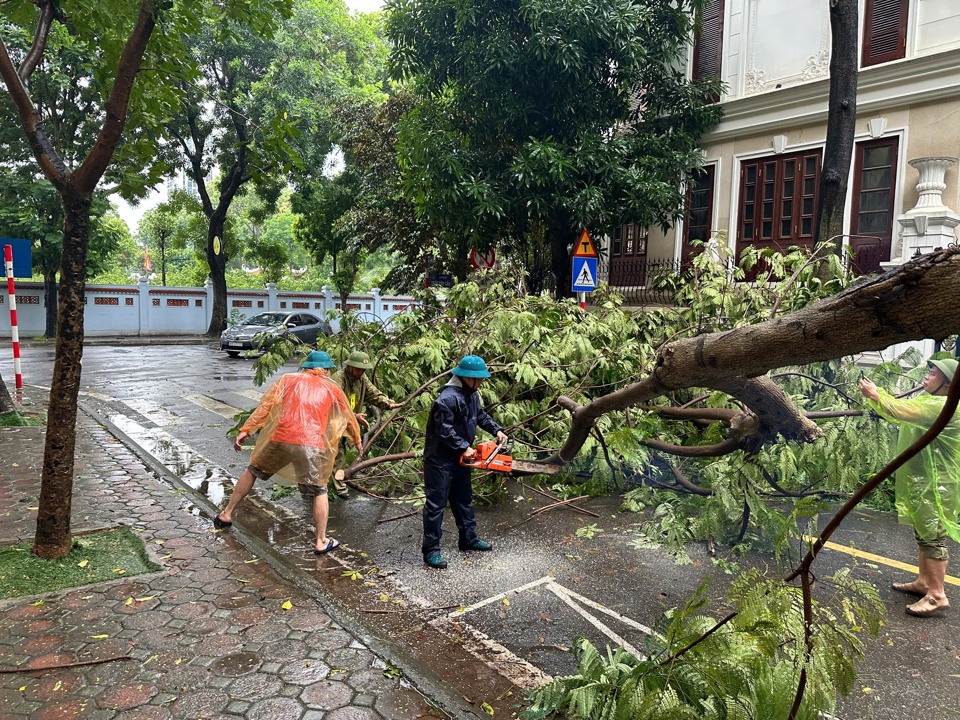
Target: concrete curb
{"x": 446, "y": 698}
{"x": 127, "y": 340}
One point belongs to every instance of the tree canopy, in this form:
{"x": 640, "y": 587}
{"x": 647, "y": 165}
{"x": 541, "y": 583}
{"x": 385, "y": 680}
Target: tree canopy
{"x": 547, "y": 114}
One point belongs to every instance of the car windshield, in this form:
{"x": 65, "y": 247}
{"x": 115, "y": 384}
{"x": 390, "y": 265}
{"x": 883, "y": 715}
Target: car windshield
{"x": 267, "y": 319}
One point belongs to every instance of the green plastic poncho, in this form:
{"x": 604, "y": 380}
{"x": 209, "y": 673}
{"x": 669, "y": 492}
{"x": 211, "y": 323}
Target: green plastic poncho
{"x": 927, "y": 485}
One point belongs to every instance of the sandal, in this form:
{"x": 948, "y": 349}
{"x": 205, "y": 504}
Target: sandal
{"x": 928, "y": 608}
{"x": 907, "y": 589}
{"x": 220, "y": 524}
{"x": 332, "y": 544}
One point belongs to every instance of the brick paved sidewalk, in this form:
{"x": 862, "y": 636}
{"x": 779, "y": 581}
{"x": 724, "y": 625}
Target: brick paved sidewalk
{"x": 207, "y": 635}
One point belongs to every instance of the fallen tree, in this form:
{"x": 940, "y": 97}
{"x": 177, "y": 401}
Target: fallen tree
{"x": 913, "y": 302}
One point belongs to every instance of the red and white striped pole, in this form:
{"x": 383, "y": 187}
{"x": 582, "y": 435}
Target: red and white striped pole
{"x": 14, "y": 330}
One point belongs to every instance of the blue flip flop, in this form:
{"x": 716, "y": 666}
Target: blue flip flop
{"x": 332, "y": 544}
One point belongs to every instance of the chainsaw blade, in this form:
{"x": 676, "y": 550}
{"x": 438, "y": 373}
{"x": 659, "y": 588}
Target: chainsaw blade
{"x": 525, "y": 467}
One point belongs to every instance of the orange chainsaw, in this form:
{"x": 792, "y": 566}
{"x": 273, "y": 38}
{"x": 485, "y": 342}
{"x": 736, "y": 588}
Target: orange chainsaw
{"x": 497, "y": 458}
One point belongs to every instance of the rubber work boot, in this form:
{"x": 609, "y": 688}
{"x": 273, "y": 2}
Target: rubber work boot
{"x": 478, "y": 545}
{"x": 436, "y": 561}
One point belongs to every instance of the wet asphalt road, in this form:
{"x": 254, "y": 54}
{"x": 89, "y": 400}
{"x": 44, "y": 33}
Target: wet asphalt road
{"x": 521, "y": 605}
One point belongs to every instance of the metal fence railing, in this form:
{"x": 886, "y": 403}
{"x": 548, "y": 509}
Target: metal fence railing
{"x": 650, "y": 281}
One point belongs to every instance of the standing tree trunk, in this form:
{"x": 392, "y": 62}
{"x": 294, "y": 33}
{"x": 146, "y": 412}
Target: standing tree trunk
{"x": 841, "y": 125}
{"x": 217, "y": 260}
{"x": 50, "y": 302}
{"x": 53, "y": 538}
{"x": 6, "y": 402}
{"x": 562, "y": 237}
{"x": 163, "y": 260}
{"x": 75, "y": 187}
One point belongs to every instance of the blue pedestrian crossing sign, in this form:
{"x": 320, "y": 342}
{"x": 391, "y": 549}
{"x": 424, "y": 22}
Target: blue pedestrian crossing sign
{"x": 584, "y": 274}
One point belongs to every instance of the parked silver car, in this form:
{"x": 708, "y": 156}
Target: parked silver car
{"x": 259, "y": 331}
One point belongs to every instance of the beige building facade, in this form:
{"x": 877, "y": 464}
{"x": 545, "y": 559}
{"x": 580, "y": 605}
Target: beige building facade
{"x": 762, "y": 162}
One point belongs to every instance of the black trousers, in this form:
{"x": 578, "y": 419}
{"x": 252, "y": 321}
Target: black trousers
{"x": 446, "y": 480}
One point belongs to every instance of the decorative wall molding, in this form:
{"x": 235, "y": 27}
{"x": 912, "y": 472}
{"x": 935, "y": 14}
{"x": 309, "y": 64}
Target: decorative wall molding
{"x": 877, "y": 126}
{"x": 755, "y": 82}
{"x": 817, "y": 66}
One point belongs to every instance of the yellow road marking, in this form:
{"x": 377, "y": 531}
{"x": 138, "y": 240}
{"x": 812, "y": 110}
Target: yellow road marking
{"x": 879, "y": 559}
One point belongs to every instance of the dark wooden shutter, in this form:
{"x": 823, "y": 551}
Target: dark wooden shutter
{"x": 708, "y": 45}
{"x": 884, "y": 31}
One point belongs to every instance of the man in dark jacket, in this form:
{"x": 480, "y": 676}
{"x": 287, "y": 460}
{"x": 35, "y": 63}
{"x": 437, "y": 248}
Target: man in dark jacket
{"x": 451, "y": 429}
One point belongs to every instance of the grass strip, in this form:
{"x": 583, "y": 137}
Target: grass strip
{"x": 97, "y": 557}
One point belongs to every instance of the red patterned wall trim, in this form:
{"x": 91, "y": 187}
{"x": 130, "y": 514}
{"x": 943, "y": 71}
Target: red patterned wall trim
{"x": 301, "y": 305}
{"x": 177, "y": 302}
{"x": 128, "y": 301}
{"x": 242, "y": 303}
{"x": 156, "y": 302}
{"x": 29, "y": 299}
{"x": 198, "y": 303}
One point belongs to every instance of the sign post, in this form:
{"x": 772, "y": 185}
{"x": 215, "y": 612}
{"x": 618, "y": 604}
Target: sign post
{"x": 584, "y": 270}
{"x": 483, "y": 259}
{"x": 14, "y": 330}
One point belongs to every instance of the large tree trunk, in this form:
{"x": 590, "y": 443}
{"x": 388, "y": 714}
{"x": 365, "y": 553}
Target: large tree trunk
{"x": 6, "y": 402}
{"x": 50, "y": 299}
{"x": 53, "y": 538}
{"x": 913, "y": 302}
{"x": 562, "y": 237}
{"x": 217, "y": 260}
{"x": 76, "y": 190}
{"x": 841, "y": 125}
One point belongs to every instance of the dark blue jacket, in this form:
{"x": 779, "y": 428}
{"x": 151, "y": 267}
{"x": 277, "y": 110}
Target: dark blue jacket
{"x": 453, "y": 422}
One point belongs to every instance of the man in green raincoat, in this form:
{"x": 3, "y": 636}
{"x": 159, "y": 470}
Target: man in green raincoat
{"x": 928, "y": 485}
{"x": 361, "y": 393}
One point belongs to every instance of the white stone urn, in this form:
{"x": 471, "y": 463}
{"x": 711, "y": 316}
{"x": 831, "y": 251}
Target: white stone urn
{"x": 931, "y": 186}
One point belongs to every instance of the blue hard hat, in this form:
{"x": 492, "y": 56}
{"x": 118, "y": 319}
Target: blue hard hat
{"x": 472, "y": 366}
{"x": 318, "y": 359}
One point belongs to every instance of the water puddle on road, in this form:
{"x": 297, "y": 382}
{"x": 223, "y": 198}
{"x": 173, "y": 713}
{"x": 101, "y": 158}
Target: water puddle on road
{"x": 192, "y": 468}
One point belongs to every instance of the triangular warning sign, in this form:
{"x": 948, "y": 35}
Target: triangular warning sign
{"x": 584, "y": 246}
{"x": 585, "y": 278}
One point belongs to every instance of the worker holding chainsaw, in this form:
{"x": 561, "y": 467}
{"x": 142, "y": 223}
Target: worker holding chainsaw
{"x": 451, "y": 429}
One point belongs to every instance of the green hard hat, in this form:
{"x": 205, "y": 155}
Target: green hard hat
{"x": 948, "y": 366}
{"x": 472, "y": 366}
{"x": 318, "y": 359}
{"x": 360, "y": 360}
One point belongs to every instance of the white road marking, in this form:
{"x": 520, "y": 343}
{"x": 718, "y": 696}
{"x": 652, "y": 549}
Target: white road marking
{"x": 501, "y": 596}
{"x": 251, "y": 393}
{"x": 592, "y": 620}
{"x": 214, "y": 406}
{"x": 520, "y": 672}
{"x": 514, "y": 668}
{"x": 152, "y": 411}
{"x": 597, "y": 606}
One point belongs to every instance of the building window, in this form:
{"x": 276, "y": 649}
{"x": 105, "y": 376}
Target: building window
{"x": 628, "y": 255}
{"x": 699, "y": 207}
{"x": 708, "y": 42}
{"x": 884, "y": 31}
{"x": 874, "y": 179}
{"x": 778, "y": 201}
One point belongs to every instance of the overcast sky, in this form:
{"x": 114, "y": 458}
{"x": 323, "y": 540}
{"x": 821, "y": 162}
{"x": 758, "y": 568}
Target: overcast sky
{"x": 132, "y": 214}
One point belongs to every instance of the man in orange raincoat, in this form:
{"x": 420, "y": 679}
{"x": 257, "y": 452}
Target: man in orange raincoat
{"x": 301, "y": 419}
